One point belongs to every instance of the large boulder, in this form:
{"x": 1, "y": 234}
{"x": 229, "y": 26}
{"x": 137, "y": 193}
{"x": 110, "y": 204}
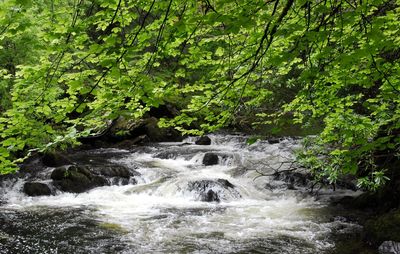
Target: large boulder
{"x": 210, "y": 159}
{"x": 213, "y": 190}
{"x": 36, "y": 189}
{"x": 76, "y": 179}
{"x": 203, "y": 140}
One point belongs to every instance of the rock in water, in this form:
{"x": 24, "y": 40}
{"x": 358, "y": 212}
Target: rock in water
{"x": 76, "y": 179}
{"x": 116, "y": 174}
{"x": 273, "y": 141}
{"x": 225, "y": 183}
{"x": 389, "y": 247}
{"x": 210, "y": 159}
{"x": 210, "y": 196}
{"x": 203, "y": 140}
{"x": 213, "y": 190}
{"x": 36, "y": 189}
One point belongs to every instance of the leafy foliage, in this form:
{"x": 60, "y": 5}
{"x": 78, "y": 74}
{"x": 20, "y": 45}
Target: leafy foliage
{"x": 68, "y": 67}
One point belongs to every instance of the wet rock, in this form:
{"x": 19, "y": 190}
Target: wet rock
{"x": 113, "y": 171}
{"x": 55, "y": 160}
{"x": 225, "y": 183}
{"x": 36, "y": 189}
{"x": 76, "y": 179}
{"x": 116, "y": 174}
{"x": 389, "y": 247}
{"x": 167, "y": 155}
{"x": 213, "y": 190}
{"x": 210, "y": 196}
{"x": 210, "y": 159}
{"x": 203, "y": 140}
{"x": 273, "y": 140}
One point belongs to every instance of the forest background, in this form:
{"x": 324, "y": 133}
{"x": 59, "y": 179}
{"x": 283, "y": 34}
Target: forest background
{"x": 68, "y": 68}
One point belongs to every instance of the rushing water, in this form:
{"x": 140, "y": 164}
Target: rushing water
{"x": 164, "y": 212}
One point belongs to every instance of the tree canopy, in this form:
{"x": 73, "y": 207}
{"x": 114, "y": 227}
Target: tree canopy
{"x": 68, "y": 67}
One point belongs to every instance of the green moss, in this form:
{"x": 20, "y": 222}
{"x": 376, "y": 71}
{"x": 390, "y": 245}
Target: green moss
{"x": 112, "y": 227}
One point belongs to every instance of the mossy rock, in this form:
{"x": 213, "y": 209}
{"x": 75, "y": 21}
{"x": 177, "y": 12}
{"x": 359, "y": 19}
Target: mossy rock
{"x": 76, "y": 179}
{"x": 385, "y": 227}
{"x": 112, "y": 227}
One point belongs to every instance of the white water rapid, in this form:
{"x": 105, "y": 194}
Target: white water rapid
{"x": 166, "y": 212}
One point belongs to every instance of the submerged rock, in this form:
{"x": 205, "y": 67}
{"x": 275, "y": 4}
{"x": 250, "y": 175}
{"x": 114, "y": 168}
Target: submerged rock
{"x": 389, "y": 247}
{"x": 213, "y": 190}
{"x": 210, "y": 159}
{"x": 76, "y": 179}
{"x": 36, "y": 189}
{"x": 203, "y": 140}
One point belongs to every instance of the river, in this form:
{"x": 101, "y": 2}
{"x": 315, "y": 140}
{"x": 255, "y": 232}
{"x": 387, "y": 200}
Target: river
{"x": 163, "y": 209}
